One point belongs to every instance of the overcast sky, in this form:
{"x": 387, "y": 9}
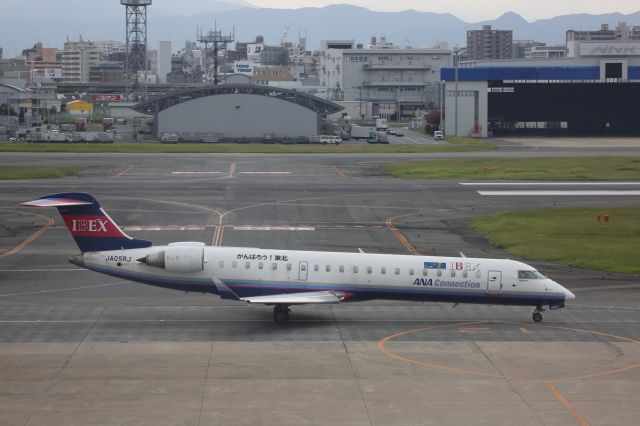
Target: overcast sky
{"x": 474, "y": 10}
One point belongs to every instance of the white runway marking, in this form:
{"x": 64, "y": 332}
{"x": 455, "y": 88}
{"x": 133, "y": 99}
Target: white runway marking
{"x": 548, "y": 183}
{"x": 265, "y": 173}
{"x": 45, "y": 270}
{"x": 548, "y": 193}
{"x": 274, "y": 228}
{"x": 165, "y": 228}
{"x": 196, "y": 173}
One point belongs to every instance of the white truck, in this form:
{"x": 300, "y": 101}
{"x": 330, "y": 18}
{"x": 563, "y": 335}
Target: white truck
{"x": 381, "y": 124}
{"x": 358, "y": 132}
{"x": 58, "y": 137}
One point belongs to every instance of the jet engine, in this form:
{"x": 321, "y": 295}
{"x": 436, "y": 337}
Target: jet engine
{"x": 178, "y": 258}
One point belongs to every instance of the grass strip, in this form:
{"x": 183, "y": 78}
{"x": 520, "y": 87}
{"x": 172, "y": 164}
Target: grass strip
{"x": 239, "y": 148}
{"x": 569, "y": 236}
{"x": 15, "y": 173}
{"x": 527, "y": 169}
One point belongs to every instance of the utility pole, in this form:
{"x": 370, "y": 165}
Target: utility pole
{"x": 218, "y": 40}
{"x": 455, "y": 64}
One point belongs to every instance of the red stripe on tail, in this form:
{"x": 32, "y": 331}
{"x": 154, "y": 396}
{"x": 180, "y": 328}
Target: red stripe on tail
{"x": 92, "y": 226}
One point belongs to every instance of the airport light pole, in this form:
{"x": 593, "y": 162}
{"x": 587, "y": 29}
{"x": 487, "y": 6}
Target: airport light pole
{"x": 455, "y": 65}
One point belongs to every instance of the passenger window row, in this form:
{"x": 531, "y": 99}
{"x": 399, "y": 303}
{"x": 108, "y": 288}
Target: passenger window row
{"x": 383, "y": 270}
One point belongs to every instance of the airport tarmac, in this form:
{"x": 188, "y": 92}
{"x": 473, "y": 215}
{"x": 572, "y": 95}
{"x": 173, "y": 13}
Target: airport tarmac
{"x": 77, "y": 347}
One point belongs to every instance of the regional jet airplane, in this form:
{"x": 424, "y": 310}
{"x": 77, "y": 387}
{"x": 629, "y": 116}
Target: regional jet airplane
{"x": 282, "y": 278}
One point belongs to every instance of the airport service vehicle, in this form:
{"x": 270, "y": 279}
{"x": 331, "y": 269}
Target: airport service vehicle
{"x": 282, "y": 278}
{"x": 359, "y": 132}
{"x": 326, "y": 139}
{"x": 438, "y": 135}
{"x": 381, "y": 124}
{"x": 379, "y": 137}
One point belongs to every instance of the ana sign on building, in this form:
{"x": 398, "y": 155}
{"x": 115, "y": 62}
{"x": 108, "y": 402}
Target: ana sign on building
{"x": 243, "y": 68}
{"x": 609, "y": 49}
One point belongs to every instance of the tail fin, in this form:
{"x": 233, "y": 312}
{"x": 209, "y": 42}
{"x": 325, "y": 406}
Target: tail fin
{"x": 89, "y": 225}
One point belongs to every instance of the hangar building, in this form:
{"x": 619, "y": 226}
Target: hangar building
{"x": 239, "y": 112}
{"x": 595, "y": 92}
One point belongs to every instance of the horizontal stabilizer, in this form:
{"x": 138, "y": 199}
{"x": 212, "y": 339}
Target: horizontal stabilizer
{"x": 310, "y": 297}
{"x": 56, "y": 202}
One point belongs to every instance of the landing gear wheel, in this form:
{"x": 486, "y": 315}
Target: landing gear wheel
{"x": 281, "y": 314}
{"x": 537, "y": 316}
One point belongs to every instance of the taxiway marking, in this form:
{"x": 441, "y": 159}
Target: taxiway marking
{"x": 565, "y": 403}
{"x": 274, "y": 228}
{"x": 125, "y": 171}
{"x": 548, "y": 183}
{"x": 32, "y": 237}
{"x": 265, "y": 173}
{"x": 475, "y": 330}
{"x": 165, "y": 228}
{"x": 576, "y": 193}
{"x": 196, "y": 173}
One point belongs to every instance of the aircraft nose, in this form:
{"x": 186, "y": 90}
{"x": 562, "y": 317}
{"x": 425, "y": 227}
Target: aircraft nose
{"x": 568, "y": 295}
{"x": 77, "y": 259}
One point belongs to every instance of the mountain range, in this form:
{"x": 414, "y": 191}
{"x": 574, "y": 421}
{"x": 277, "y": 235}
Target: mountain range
{"x": 24, "y": 22}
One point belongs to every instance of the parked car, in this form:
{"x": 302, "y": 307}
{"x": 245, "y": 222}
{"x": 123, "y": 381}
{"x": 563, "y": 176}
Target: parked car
{"x": 395, "y": 132}
{"x": 438, "y": 135}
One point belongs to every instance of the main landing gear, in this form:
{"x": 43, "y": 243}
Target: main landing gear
{"x": 281, "y": 314}
{"x": 536, "y": 314}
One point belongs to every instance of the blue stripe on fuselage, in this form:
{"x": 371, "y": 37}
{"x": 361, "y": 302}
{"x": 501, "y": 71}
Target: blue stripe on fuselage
{"x": 355, "y": 293}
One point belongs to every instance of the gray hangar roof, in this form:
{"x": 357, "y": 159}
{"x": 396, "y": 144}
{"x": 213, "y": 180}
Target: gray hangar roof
{"x": 310, "y": 102}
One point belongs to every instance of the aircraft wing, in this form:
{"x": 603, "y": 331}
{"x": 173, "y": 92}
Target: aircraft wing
{"x": 303, "y": 298}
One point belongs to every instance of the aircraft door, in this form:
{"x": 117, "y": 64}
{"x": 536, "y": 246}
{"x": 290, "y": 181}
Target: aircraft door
{"x": 494, "y": 282}
{"x": 303, "y": 270}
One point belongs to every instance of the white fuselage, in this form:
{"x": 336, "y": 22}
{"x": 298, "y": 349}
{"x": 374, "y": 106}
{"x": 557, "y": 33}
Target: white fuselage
{"x": 358, "y": 276}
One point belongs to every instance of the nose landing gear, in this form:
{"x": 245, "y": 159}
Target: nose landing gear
{"x": 281, "y": 314}
{"x": 536, "y": 314}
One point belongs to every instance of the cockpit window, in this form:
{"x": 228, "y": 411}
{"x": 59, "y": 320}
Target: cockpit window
{"x": 530, "y": 275}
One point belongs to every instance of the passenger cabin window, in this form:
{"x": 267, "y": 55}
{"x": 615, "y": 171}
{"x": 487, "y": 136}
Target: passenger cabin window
{"x": 425, "y": 272}
{"x": 369, "y": 270}
{"x": 341, "y": 268}
{"x": 316, "y": 268}
{"x": 397, "y": 271}
{"x": 328, "y": 268}
{"x": 530, "y": 275}
{"x": 289, "y": 267}
{"x": 355, "y": 269}
{"x": 464, "y": 274}
{"x": 260, "y": 265}
{"x": 453, "y": 273}
{"x": 274, "y": 266}
{"x": 247, "y": 265}
{"x": 478, "y": 273}
{"x": 411, "y": 271}
{"x": 439, "y": 272}
{"x": 234, "y": 264}
{"x": 383, "y": 270}
{"x": 221, "y": 264}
